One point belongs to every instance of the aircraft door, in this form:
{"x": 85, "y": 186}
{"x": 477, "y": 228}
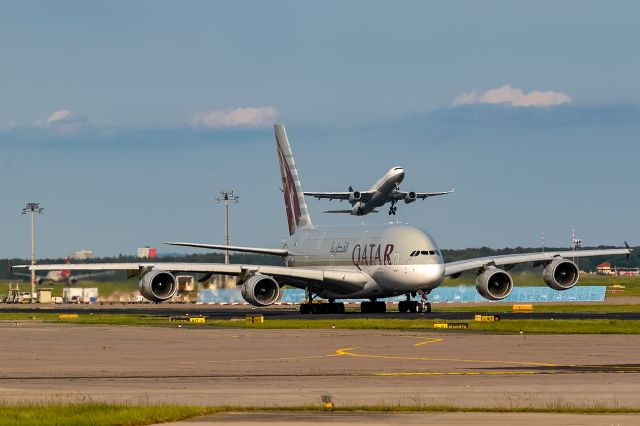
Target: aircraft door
{"x": 396, "y": 260}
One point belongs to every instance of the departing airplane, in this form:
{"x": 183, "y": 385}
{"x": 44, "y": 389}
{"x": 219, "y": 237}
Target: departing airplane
{"x": 354, "y": 262}
{"x": 62, "y": 276}
{"x": 385, "y": 190}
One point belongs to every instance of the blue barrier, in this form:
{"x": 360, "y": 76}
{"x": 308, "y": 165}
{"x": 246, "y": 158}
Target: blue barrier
{"x": 461, "y": 294}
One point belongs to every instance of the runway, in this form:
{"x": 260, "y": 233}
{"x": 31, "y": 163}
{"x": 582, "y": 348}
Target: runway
{"x": 383, "y": 419}
{"x": 250, "y": 367}
{"x": 225, "y": 312}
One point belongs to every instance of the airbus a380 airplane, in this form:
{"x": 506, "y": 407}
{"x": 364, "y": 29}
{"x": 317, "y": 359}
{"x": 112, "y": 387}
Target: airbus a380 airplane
{"x": 385, "y": 190}
{"x": 361, "y": 262}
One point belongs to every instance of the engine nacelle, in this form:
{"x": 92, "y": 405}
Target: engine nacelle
{"x": 410, "y": 197}
{"x": 494, "y": 284}
{"x": 354, "y": 197}
{"x": 158, "y": 286}
{"x": 561, "y": 274}
{"x": 261, "y": 290}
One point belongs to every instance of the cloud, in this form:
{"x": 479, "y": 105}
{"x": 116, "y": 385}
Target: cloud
{"x": 63, "y": 121}
{"x": 515, "y": 97}
{"x": 239, "y": 117}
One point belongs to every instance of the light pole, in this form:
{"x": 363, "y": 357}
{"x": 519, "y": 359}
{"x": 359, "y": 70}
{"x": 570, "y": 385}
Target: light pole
{"x": 33, "y": 208}
{"x": 225, "y": 197}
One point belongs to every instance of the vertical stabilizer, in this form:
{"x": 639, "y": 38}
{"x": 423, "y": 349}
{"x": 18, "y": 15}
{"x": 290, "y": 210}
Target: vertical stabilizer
{"x": 297, "y": 213}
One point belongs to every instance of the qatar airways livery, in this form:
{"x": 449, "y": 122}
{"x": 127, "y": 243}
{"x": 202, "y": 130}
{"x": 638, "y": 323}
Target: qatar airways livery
{"x": 351, "y": 262}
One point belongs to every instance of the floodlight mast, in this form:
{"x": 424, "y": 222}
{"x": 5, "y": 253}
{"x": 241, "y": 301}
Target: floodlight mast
{"x": 225, "y": 197}
{"x": 33, "y": 208}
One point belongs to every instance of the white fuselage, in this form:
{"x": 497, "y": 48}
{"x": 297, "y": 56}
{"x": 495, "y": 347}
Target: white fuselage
{"x": 382, "y": 191}
{"x": 382, "y": 253}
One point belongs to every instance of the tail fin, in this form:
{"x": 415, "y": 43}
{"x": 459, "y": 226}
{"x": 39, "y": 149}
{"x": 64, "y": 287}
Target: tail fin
{"x": 297, "y": 213}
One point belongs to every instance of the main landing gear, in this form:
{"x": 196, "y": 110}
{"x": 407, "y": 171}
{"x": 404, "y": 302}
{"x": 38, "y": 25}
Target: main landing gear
{"x": 393, "y": 209}
{"x": 320, "y": 308}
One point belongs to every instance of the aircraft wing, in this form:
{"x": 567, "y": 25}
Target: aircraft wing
{"x": 346, "y": 281}
{"x": 364, "y": 195}
{"x": 21, "y": 274}
{"x": 459, "y": 266}
{"x": 399, "y": 195}
{"x": 91, "y": 275}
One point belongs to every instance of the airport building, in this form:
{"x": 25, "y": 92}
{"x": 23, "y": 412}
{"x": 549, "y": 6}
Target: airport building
{"x": 83, "y": 254}
{"x": 147, "y": 252}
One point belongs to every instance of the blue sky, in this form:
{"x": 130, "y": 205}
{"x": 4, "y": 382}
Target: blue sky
{"x": 126, "y": 118}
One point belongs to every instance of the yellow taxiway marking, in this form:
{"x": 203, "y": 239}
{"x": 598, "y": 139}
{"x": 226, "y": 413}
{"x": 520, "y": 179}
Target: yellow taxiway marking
{"x": 457, "y": 373}
{"x": 428, "y": 341}
{"x": 347, "y": 352}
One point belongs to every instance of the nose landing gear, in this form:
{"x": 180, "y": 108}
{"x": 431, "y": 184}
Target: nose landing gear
{"x": 415, "y": 306}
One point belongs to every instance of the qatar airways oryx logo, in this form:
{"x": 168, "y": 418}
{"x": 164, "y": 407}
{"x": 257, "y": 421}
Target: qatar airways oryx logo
{"x": 371, "y": 254}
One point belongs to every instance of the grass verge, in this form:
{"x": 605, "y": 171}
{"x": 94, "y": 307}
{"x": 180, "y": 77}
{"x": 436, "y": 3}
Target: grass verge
{"x": 559, "y": 326}
{"x": 103, "y": 414}
{"x": 96, "y": 414}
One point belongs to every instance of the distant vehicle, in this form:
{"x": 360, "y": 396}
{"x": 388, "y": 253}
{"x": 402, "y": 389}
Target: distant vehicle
{"x": 385, "y": 190}
{"x": 346, "y": 262}
{"x": 63, "y": 276}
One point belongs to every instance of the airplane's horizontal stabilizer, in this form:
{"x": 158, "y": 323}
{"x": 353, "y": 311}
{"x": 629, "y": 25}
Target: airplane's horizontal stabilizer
{"x": 257, "y": 250}
{"x": 345, "y": 211}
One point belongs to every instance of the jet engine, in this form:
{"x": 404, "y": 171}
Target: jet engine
{"x": 561, "y": 274}
{"x": 260, "y": 290}
{"x": 354, "y": 197}
{"x": 410, "y": 197}
{"x": 158, "y": 286}
{"x": 494, "y": 284}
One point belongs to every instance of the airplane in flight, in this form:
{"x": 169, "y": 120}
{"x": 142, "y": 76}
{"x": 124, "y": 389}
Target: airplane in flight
{"x": 385, "y": 190}
{"x": 63, "y": 276}
{"x": 348, "y": 262}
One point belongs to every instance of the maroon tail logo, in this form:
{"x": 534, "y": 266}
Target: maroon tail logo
{"x": 290, "y": 194}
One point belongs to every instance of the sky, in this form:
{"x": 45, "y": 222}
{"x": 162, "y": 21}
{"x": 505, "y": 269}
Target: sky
{"x": 125, "y": 119}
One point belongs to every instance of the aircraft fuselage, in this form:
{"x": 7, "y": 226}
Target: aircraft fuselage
{"x": 382, "y": 191}
{"x": 382, "y": 253}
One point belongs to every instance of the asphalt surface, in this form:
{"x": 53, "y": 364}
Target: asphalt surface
{"x": 380, "y": 419}
{"x": 252, "y": 367}
{"x": 223, "y": 312}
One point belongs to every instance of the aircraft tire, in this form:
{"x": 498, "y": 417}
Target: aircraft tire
{"x": 305, "y": 308}
{"x": 403, "y": 307}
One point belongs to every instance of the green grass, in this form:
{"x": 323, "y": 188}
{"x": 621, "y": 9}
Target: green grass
{"x": 541, "y": 307}
{"x": 96, "y": 414}
{"x": 599, "y": 326}
{"x": 103, "y": 414}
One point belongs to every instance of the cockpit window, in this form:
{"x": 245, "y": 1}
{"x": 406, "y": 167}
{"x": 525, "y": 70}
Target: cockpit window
{"x": 424, "y": 253}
